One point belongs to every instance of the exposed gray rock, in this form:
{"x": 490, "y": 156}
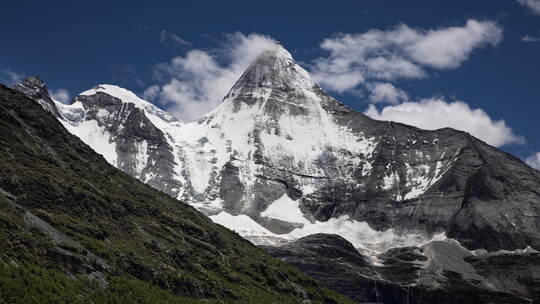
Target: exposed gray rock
{"x": 35, "y": 88}
{"x": 518, "y": 273}
{"x": 439, "y": 272}
{"x": 65, "y": 251}
{"x": 134, "y": 135}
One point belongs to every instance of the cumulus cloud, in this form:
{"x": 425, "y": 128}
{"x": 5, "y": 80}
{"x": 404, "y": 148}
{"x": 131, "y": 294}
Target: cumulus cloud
{"x": 366, "y": 64}
{"x": 199, "y": 80}
{"x": 399, "y": 53}
{"x": 436, "y": 113}
{"x": 534, "y": 160}
{"x": 534, "y": 5}
{"x": 386, "y": 92}
{"x": 448, "y": 48}
{"x": 61, "y": 95}
{"x": 165, "y": 36}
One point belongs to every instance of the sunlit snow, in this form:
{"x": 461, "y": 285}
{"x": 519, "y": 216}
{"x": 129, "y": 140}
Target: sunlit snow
{"x": 285, "y": 209}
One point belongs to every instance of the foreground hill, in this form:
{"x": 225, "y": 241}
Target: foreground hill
{"x": 74, "y": 229}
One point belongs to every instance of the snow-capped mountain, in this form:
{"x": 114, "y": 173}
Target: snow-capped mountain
{"x": 124, "y": 129}
{"x": 280, "y": 159}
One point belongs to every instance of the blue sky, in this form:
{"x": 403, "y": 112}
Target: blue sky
{"x": 134, "y": 44}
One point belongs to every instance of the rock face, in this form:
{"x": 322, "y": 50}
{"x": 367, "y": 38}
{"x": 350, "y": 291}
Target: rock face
{"x": 438, "y": 272}
{"x": 140, "y": 148}
{"x": 36, "y": 89}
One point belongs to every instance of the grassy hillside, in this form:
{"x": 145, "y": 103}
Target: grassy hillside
{"x": 74, "y": 229}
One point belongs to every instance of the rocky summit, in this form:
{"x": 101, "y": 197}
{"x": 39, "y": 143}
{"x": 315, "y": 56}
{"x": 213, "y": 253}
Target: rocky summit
{"x": 279, "y": 159}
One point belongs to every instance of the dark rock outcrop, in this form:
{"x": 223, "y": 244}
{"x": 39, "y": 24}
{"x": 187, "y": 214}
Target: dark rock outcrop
{"x": 438, "y": 272}
{"x": 36, "y": 89}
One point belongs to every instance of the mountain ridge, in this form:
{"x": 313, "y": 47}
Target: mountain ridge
{"x": 277, "y": 136}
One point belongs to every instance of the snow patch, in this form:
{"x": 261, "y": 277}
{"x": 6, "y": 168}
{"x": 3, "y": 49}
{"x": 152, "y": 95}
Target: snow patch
{"x": 285, "y": 209}
{"x": 96, "y": 137}
{"x": 367, "y": 240}
{"x": 142, "y": 157}
{"x": 362, "y": 236}
{"x": 241, "y": 223}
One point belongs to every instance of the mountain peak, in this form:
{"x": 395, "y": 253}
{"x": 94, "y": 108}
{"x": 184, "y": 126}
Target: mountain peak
{"x": 34, "y": 81}
{"x": 32, "y": 86}
{"x": 115, "y": 91}
{"x": 35, "y": 88}
{"x": 126, "y": 96}
{"x": 272, "y": 71}
{"x": 277, "y": 51}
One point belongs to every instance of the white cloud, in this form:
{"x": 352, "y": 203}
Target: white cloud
{"x": 436, "y": 113}
{"x": 13, "y": 77}
{"x": 534, "y": 5}
{"x": 166, "y": 36}
{"x": 199, "y": 80}
{"x": 534, "y": 160}
{"x": 399, "y": 53}
{"x": 364, "y": 64}
{"x": 386, "y": 92}
{"x": 392, "y": 67}
{"x": 61, "y": 95}
{"x": 151, "y": 93}
{"x": 448, "y": 48}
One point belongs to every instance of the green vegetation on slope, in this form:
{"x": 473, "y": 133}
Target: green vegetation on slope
{"x": 35, "y": 285}
{"x": 73, "y": 227}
